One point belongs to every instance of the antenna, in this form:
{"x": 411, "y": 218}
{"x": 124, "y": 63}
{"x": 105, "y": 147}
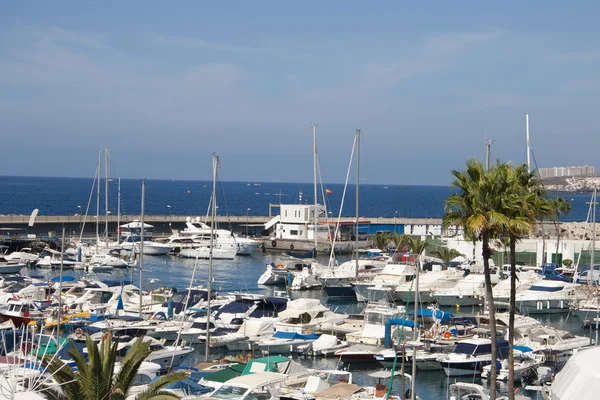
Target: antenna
{"x": 488, "y": 149}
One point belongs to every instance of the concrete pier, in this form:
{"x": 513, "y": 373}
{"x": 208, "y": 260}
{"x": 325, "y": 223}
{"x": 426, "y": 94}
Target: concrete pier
{"x": 164, "y": 223}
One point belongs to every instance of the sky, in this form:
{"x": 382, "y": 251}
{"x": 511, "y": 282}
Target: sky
{"x": 167, "y": 84}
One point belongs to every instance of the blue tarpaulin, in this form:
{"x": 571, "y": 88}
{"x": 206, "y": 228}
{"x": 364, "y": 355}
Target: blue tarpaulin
{"x": 294, "y": 335}
{"x": 67, "y": 278}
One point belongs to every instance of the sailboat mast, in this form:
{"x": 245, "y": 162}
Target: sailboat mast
{"x": 316, "y": 213}
{"x": 210, "y": 256}
{"x": 357, "y": 198}
{"x": 98, "y": 200}
{"x": 119, "y": 212}
{"x": 106, "y": 191}
{"x": 593, "y": 257}
{"x": 141, "y": 241}
{"x": 528, "y": 143}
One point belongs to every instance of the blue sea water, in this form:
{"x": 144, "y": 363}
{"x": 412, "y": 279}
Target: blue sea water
{"x": 69, "y": 196}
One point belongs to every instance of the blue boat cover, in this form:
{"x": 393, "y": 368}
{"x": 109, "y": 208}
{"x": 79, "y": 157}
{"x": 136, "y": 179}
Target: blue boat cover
{"x": 65, "y": 278}
{"x": 294, "y": 335}
{"x": 443, "y": 316}
{"x": 522, "y": 349}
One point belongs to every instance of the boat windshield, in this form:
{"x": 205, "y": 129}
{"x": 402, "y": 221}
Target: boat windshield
{"x": 229, "y": 392}
{"x": 376, "y": 318}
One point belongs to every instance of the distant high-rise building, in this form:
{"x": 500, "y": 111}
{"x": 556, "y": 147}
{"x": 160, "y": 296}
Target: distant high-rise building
{"x": 555, "y": 172}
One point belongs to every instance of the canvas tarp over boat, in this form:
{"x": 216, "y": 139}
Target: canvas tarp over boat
{"x": 226, "y": 374}
{"x": 338, "y": 391}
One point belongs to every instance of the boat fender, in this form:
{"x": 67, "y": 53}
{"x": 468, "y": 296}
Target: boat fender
{"x": 291, "y": 247}
{"x": 274, "y": 243}
{"x": 78, "y": 333}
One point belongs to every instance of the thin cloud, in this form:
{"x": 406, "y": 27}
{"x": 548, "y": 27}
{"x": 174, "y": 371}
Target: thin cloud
{"x": 188, "y": 42}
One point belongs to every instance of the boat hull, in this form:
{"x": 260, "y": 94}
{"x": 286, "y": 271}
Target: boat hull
{"x": 463, "y": 368}
{"x": 343, "y": 291}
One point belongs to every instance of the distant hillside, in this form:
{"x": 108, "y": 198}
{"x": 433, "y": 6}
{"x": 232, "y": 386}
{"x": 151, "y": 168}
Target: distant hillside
{"x": 583, "y": 183}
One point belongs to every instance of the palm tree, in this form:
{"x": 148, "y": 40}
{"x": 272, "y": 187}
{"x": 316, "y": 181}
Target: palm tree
{"x": 522, "y": 202}
{"x": 381, "y": 240}
{"x": 400, "y": 240}
{"x": 445, "y": 254}
{"x": 96, "y": 378}
{"x": 475, "y": 208}
{"x": 560, "y": 206}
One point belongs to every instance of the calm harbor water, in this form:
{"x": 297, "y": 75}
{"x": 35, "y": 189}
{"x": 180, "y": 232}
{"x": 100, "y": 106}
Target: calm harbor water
{"x": 242, "y": 273}
{"x": 68, "y": 196}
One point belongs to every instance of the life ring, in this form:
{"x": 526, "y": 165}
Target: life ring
{"x": 249, "y": 357}
{"x": 274, "y": 243}
{"x": 291, "y": 247}
{"x": 106, "y": 336}
{"x": 66, "y": 309}
{"x": 447, "y": 335}
{"x": 329, "y": 236}
{"x": 343, "y": 379}
{"x": 78, "y": 333}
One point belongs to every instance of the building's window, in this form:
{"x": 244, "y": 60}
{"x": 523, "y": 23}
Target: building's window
{"x": 294, "y": 233}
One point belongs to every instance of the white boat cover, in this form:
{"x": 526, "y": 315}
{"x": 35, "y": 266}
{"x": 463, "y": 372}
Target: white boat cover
{"x": 258, "y": 327}
{"x": 324, "y": 342}
{"x": 580, "y": 378}
{"x": 297, "y": 307}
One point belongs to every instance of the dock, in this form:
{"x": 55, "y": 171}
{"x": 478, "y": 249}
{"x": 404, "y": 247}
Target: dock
{"x": 165, "y": 223}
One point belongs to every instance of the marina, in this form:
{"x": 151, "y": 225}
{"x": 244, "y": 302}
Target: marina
{"x": 299, "y": 201}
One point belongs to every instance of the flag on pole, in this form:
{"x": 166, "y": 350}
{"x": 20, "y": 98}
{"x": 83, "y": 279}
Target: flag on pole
{"x": 328, "y": 191}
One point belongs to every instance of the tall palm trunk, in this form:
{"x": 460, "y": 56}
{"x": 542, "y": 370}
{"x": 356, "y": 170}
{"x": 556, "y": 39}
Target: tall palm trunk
{"x": 543, "y": 241}
{"x": 511, "y": 317}
{"x": 557, "y": 238}
{"x": 492, "y": 311}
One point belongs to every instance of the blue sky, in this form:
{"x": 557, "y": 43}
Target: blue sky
{"x": 167, "y": 84}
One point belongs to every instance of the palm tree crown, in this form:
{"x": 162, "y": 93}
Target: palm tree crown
{"x": 96, "y": 378}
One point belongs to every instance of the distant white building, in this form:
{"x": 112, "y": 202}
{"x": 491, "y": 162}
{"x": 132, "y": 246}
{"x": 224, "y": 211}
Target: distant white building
{"x": 556, "y": 172}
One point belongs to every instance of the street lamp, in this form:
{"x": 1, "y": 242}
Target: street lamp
{"x": 247, "y": 210}
{"x": 170, "y": 215}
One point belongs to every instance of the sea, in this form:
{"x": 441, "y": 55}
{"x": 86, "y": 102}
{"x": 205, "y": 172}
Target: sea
{"x": 68, "y": 196}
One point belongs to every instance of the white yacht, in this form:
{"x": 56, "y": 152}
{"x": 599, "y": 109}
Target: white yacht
{"x": 391, "y": 276}
{"x": 131, "y": 237}
{"x": 204, "y": 253}
{"x": 469, "y": 291}
{"x": 429, "y": 282}
{"x": 306, "y": 315}
{"x": 25, "y": 255}
{"x": 549, "y": 296}
{"x": 52, "y": 259}
{"x": 200, "y": 234}
{"x": 469, "y": 357}
{"x": 369, "y": 341}
{"x": 524, "y": 281}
